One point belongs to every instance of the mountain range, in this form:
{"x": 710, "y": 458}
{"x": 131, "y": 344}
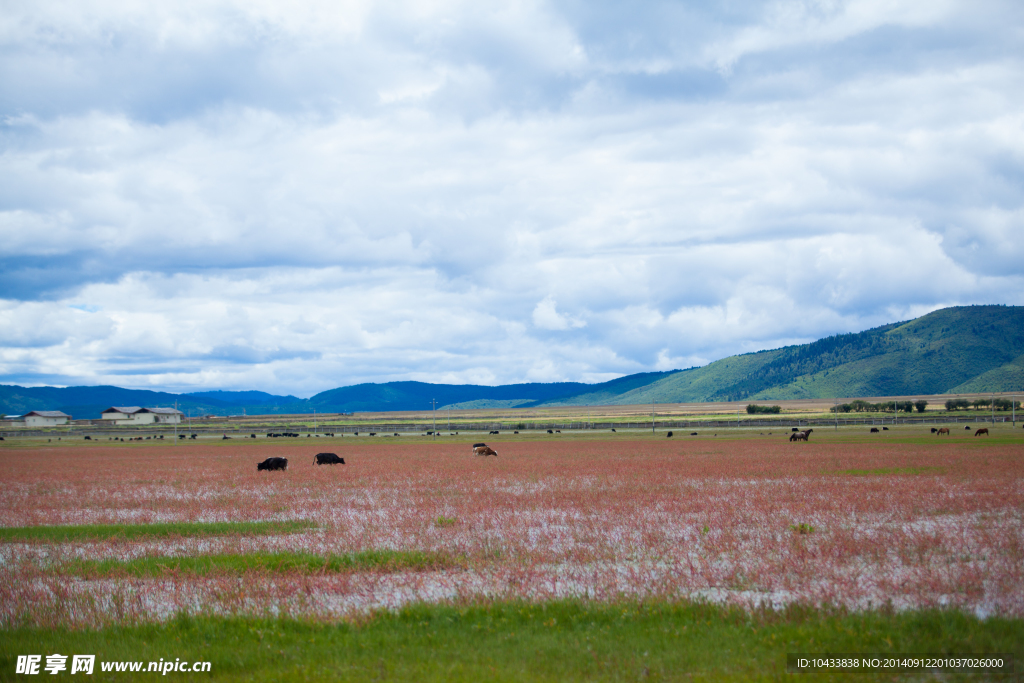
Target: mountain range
{"x": 964, "y": 349}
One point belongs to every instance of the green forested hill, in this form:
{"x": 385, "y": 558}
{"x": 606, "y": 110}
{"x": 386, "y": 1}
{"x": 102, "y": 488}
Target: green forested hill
{"x": 954, "y": 350}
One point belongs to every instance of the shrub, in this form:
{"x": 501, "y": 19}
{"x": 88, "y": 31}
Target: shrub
{"x": 756, "y": 409}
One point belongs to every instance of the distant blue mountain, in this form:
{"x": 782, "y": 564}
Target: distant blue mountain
{"x": 418, "y": 395}
{"x": 90, "y": 402}
{"x": 243, "y": 398}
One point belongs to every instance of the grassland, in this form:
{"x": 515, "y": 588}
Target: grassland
{"x": 105, "y": 532}
{"x": 565, "y": 640}
{"x": 568, "y": 557}
{"x": 277, "y": 563}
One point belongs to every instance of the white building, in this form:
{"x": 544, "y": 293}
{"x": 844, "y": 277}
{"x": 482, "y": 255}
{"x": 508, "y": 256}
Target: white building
{"x": 134, "y": 415}
{"x": 45, "y": 418}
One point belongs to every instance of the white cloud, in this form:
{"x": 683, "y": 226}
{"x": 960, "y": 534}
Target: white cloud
{"x": 786, "y": 23}
{"x": 292, "y": 197}
{"x": 547, "y": 317}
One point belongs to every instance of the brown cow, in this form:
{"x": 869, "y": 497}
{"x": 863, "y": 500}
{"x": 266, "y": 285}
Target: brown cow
{"x": 983, "y": 430}
{"x": 484, "y": 450}
{"x": 943, "y": 430}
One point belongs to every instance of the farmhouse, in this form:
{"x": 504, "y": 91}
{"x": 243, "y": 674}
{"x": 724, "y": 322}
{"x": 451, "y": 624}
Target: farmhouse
{"x": 45, "y": 418}
{"x": 134, "y": 415}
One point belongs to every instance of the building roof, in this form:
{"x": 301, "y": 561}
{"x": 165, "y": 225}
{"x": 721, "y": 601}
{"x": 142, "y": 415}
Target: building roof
{"x": 131, "y": 410}
{"x": 46, "y": 413}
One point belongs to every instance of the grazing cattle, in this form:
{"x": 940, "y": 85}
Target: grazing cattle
{"x": 272, "y": 464}
{"x": 613, "y": 430}
{"x": 942, "y": 430}
{"x": 983, "y": 430}
{"x": 88, "y": 438}
{"x": 484, "y": 450}
{"x": 558, "y": 431}
{"x": 550, "y": 432}
{"x": 885, "y": 429}
{"x": 669, "y": 435}
{"x": 693, "y": 433}
{"x": 328, "y": 459}
{"x": 515, "y": 432}
{"x": 874, "y": 430}
{"x": 934, "y": 430}
{"x": 796, "y": 429}
{"x": 251, "y": 436}
{"x": 967, "y": 428}
{"x": 373, "y": 433}
{"x": 225, "y": 437}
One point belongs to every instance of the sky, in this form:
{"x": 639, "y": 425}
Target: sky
{"x": 295, "y": 196}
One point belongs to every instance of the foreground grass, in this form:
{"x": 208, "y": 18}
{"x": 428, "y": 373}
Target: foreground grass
{"x": 307, "y": 563}
{"x": 559, "y": 641}
{"x": 103, "y": 532}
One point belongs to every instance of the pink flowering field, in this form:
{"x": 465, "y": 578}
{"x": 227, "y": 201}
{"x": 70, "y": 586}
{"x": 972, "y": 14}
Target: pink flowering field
{"x": 846, "y": 520}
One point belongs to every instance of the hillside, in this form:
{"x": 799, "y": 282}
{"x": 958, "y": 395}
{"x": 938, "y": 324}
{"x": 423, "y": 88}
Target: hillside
{"x": 967, "y": 349}
{"x": 418, "y": 395}
{"x": 952, "y": 350}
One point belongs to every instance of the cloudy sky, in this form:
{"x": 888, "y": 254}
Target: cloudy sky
{"x": 294, "y": 196}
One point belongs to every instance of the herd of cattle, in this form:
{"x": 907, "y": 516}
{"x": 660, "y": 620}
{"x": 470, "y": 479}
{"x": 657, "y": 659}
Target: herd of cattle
{"x": 945, "y": 430}
{"x": 274, "y": 464}
{"x": 483, "y": 449}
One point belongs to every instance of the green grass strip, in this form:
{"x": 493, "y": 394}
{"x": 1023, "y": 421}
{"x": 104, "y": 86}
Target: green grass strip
{"x": 277, "y": 563}
{"x": 103, "y": 532}
{"x": 514, "y": 641}
{"x": 884, "y": 471}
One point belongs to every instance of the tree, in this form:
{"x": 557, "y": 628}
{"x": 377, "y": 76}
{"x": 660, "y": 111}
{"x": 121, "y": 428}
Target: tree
{"x": 920, "y": 405}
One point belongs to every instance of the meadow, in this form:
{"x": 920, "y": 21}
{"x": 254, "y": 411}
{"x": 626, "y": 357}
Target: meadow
{"x": 738, "y": 528}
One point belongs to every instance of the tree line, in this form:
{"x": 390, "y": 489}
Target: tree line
{"x": 980, "y": 403}
{"x": 859, "y": 406}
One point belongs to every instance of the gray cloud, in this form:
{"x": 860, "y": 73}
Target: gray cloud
{"x": 295, "y": 197}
